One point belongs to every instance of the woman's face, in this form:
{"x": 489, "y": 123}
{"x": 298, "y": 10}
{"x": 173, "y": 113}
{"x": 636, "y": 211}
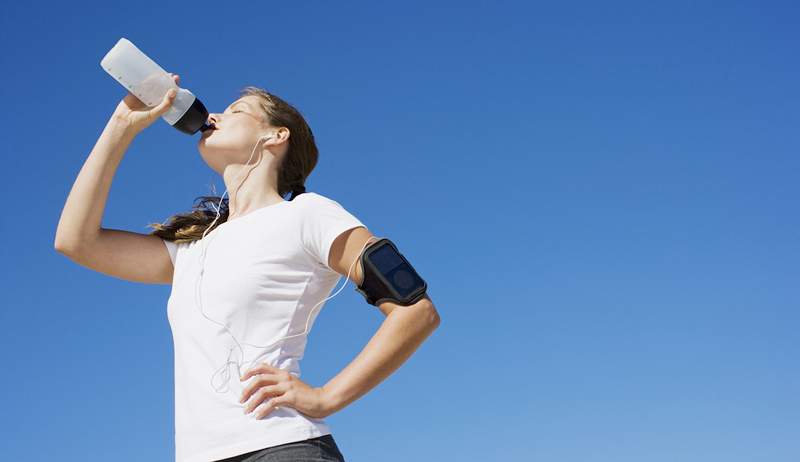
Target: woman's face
{"x": 237, "y": 131}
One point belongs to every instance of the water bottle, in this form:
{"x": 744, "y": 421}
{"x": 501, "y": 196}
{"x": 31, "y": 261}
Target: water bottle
{"x": 147, "y": 81}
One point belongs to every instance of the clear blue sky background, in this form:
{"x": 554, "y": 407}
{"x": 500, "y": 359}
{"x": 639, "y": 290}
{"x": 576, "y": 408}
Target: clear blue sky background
{"x": 601, "y": 196}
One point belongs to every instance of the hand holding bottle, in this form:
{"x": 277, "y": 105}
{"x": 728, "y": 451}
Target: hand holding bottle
{"x": 151, "y": 84}
{"x": 136, "y": 115}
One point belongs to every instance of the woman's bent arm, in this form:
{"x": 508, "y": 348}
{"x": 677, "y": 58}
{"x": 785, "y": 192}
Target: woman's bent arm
{"x": 402, "y": 332}
{"x": 123, "y": 254}
{"x": 83, "y": 211}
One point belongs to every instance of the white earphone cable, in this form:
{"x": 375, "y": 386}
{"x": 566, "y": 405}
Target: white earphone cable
{"x": 224, "y": 370}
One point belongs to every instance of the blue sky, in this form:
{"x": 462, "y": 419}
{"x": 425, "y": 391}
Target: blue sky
{"x": 602, "y": 198}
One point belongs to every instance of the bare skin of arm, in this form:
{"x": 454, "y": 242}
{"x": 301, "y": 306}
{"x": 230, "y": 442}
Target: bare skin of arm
{"x": 123, "y": 254}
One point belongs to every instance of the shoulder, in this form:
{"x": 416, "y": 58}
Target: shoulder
{"x": 311, "y": 196}
{"x": 315, "y": 200}
{"x": 320, "y": 210}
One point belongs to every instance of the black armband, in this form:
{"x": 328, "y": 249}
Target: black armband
{"x": 388, "y": 276}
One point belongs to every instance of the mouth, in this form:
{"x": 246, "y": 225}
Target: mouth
{"x": 209, "y": 130}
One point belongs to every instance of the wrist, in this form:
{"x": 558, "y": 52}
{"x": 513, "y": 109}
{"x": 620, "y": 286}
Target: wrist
{"x": 120, "y": 126}
{"x": 329, "y": 400}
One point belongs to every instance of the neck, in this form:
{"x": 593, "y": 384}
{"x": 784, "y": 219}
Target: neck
{"x": 258, "y": 188}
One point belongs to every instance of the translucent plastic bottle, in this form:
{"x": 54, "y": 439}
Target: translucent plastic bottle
{"x": 146, "y": 80}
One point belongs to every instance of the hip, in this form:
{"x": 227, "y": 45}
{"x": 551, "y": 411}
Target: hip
{"x": 318, "y": 449}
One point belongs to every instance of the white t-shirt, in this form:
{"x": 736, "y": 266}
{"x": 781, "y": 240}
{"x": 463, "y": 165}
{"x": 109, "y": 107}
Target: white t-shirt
{"x": 263, "y": 274}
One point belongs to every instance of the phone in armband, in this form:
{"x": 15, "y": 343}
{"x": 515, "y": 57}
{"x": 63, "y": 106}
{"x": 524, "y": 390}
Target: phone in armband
{"x": 388, "y": 276}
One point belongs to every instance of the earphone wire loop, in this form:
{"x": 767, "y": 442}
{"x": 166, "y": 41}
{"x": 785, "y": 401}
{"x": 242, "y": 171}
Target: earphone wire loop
{"x": 224, "y": 369}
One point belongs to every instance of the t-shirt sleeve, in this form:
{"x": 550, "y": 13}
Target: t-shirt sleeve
{"x": 322, "y": 223}
{"x": 172, "y": 248}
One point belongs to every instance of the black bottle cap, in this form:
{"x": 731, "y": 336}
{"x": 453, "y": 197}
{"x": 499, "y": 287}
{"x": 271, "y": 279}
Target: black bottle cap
{"x": 195, "y": 118}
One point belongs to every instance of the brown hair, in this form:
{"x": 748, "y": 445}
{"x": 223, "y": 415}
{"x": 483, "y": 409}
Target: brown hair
{"x": 300, "y": 159}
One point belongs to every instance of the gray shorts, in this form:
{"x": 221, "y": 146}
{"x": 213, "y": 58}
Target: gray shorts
{"x": 320, "y": 449}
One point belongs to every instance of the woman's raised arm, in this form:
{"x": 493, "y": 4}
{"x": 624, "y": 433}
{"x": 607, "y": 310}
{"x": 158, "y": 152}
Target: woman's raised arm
{"x": 79, "y": 236}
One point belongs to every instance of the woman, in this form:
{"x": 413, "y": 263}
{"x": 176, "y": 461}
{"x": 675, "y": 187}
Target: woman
{"x": 248, "y": 278}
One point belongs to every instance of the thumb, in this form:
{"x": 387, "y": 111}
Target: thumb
{"x": 165, "y": 103}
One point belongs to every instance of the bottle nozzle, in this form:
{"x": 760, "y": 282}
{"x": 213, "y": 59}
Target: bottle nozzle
{"x": 207, "y": 126}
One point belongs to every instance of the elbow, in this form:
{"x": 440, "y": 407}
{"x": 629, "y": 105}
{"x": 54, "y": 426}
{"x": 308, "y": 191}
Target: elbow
{"x": 433, "y": 315}
{"x": 61, "y": 246}
{"x": 61, "y": 242}
{"x": 65, "y": 251}
{"x": 436, "y": 320}
{"x": 66, "y": 247}
{"x": 70, "y": 243}
{"x": 423, "y": 310}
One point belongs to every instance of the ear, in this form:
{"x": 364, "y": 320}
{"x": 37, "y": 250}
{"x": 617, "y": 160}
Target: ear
{"x": 282, "y": 135}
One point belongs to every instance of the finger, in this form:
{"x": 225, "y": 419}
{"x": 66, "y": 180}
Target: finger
{"x": 261, "y": 395}
{"x": 272, "y": 404}
{"x": 261, "y": 368}
{"x": 260, "y": 381}
{"x": 165, "y": 103}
